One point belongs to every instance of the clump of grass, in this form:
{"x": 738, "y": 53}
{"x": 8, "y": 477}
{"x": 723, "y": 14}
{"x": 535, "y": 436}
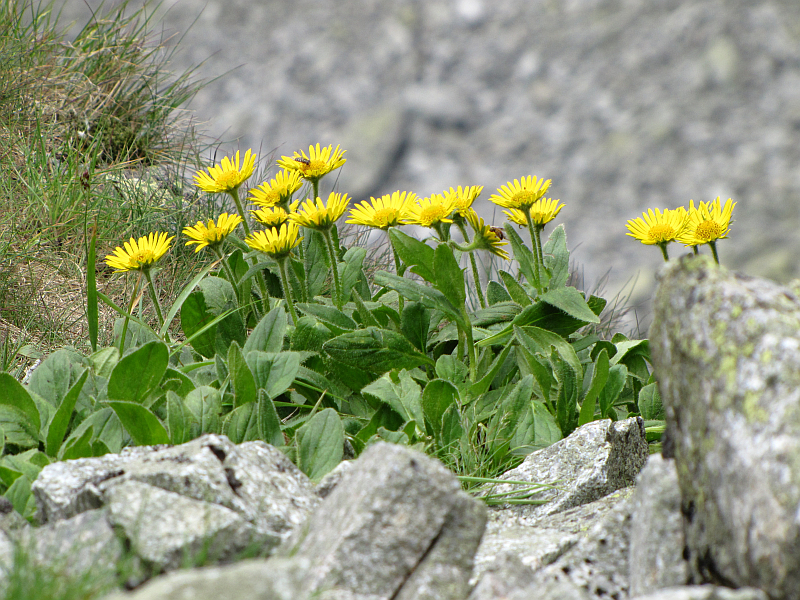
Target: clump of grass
{"x": 92, "y": 133}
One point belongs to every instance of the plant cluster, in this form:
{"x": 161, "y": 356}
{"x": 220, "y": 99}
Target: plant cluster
{"x": 287, "y": 337}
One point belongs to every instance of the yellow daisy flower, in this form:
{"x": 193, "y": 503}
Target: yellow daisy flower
{"x": 316, "y": 164}
{"x": 211, "y": 234}
{"x": 520, "y": 194}
{"x": 273, "y": 217}
{"x": 431, "y": 211}
{"x": 278, "y": 191}
{"x": 542, "y": 212}
{"x": 228, "y": 175}
{"x": 278, "y": 243}
{"x": 657, "y": 227}
{"x": 707, "y": 223}
{"x": 381, "y": 213}
{"x": 485, "y": 236}
{"x": 139, "y": 255}
{"x": 464, "y": 197}
{"x": 319, "y": 216}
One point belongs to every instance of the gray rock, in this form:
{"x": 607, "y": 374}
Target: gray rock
{"x": 704, "y": 592}
{"x": 657, "y": 539}
{"x": 727, "y": 352}
{"x": 593, "y": 461}
{"x": 275, "y": 579}
{"x": 329, "y": 482}
{"x": 396, "y": 526}
{"x": 169, "y": 530}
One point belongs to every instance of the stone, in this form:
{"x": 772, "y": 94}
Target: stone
{"x": 657, "y": 539}
{"x": 595, "y": 460}
{"x": 398, "y": 525}
{"x": 726, "y": 348}
{"x": 704, "y": 592}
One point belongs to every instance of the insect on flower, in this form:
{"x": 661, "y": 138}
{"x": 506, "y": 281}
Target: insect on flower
{"x": 498, "y": 232}
{"x": 305, "y": 161}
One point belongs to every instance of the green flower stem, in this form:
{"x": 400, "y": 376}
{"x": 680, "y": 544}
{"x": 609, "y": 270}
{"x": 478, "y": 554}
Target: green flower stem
{"x": 536, "y": 256}
{"x": 713, "y": 245}
{"x": 663, "y": 247}
{"x": 234, "y": 193}
{"x": 399, "y": 269}
{"x": 334, "y": 268}
{"x": 154, "y": 297}
{"x": 537, "y": 229}
{"x": 696, "y": 250}
{"x": 225, "y": 266}
{"x": 287, "y": 290}
{"x": 474, "y": 264}
{"x": 127, "y": 318}
{"x": 473, "y": 366}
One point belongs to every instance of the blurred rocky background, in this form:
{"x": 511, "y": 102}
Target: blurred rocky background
{"x": 624, "y": 104}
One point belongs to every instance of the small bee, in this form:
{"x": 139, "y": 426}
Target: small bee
{"x": 498, "y": 232}
{"x": 305, "y": 161}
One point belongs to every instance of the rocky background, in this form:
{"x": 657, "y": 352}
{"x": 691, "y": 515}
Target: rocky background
{"x": 624, "y": 104}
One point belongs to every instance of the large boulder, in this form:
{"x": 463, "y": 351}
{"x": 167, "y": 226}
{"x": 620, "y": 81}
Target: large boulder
{"x": 726, "y": 349}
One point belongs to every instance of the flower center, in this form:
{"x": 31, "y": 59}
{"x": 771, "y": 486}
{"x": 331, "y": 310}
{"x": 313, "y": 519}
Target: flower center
{"x": 313, "y": 166}
{"x": 228, "y": 179}
{"x": 142, "y": 257}
{"x": 661, "y": 233}
{"x": 708, "y": 231}
{"x": 524, "y": 198}
{"x": 431, "y": 215}
{"x": 385, "y": 217}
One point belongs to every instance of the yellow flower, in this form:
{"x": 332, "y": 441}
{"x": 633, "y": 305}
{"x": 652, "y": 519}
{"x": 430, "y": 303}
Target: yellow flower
{"x": 319, "y": 216}
{"x": 381, "y": 213}
{"x": 273, "y": 217}
{"x": 707, "y": 223}
{"x": 227, "y": 176}
{"x": 140, "y": 254}
{"x": 278, "y": 243}
{"x": 542, "y": 212}
{"x": 316, "y": 164}
{"x": 520, "y": 194}
{"x": 657, "y": 227}
{"x": 278, "y": 190}
{"x": 464, "y": 197}
{"x": 431, "y": 211}
{"x": 485, "y": 236}
{"x": 211, "y": 234}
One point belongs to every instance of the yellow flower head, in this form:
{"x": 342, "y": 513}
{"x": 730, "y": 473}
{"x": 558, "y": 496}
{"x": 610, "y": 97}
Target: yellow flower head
{"x": 140, "y": 254}
{"x": 319, "y": 216}
{"x": 211, "y": 234}
{"x": 381, "y": 213}
{"x": 657, "y": 227}
{"x": 278, "y": 191}
{"x": 316, "y": 164}
{"x": 431, "y": 211}
{"x": 542, "y": 212}
{"x": 278, "y": 243}
{"x": 227, "y": 176}
{"x": 464, "y": 197}
{"x": 485, "y": 236}
{"x": 273, "y": 217}
{"x": 520, "y": 194}
{"x": 708, "y": 222}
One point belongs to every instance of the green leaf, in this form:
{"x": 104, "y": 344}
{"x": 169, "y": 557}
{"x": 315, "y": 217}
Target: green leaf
{"x": 269, "y": 424}
{"x": 53, "y": 378}
{"x": 14, "y": 396}
{"x": 350, "y": 270}
{"x": 268, "y": 335}
{"x": 104, "y": 360}
{"x": 523, "y": 254}
{"x": 365, "y": 314}
{"x": 136, "y": 374}
{"x": 241, "y": 424}
{"x": 143, "y": 426}
{"x": 320, "y": 444}
{"x": 315, "y": 262}
{"x": 79, "y": 446}
{"x": 220, "y": 298}
{"x": 513, "y": 408}
{"x": 273, "y": 373}
{"x": 481, "y": 386}
{"x": 375, "y": 350}
{"x": 650, "y": 405}
{"x": 194, "y": 316}
{"x": 417, "y": 292}
{"x": 19, "y": 493}
{"x": 556, "y": 257}
{"x": 495, "y": 293}
{"x": 91, "y": 291}
{"x": 536, "y": 340}
{"x": 60, "y": 422}
{"x": 414, "y": 254}
{"x": 205, "y": 404}
{"x": 181, "y": 298}
{"x": 403, "y": 395}
{"x": 599, "y": 379}
{"x": 107, "y": 427}
{"x": 310, "y": 334}
{"x": 449, "y": 276}
{"x": 448, "y": 367}
{"x": 330, "y": 315}
{"x": 617, "y": 375}
{"x": 546, "y": 429}
{"x": 415, "y": 324}
{"x": 516, "y": 292}
{"x": 567, "y": 400}
{"x": 437, "y": 396}
{"x": 178, "y": 382}
{"x": 177, "y": 421}
{"x": 242, "y": 380}
{"x": 572, "y": 302}
{"x": 452, "y": 430}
